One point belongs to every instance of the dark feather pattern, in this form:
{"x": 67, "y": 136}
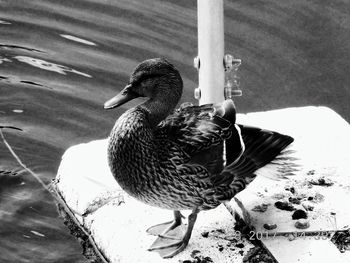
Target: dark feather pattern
{"x": 194, "y": 128}
{"x": 180, "y": 163}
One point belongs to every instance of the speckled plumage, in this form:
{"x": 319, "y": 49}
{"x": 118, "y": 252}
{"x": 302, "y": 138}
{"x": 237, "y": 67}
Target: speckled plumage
{"x": 155, "y": 166}
{"x": 192, "y": 158}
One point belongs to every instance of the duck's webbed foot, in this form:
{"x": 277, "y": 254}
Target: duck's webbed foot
{"x": 168, "y": 245}
{"x": 172, "y": 229}
{"x": 168, "y": 248}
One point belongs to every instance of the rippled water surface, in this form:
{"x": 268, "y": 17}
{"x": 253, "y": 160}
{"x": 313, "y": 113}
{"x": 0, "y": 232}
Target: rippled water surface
{"x": 60, "y": 60}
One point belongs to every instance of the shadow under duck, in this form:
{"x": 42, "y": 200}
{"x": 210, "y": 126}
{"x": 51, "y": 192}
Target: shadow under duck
{"x": 195, "y": 157}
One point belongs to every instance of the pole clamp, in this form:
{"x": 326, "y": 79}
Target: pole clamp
{"x": 232, "y": 83}
{"x": 231, "y": 63}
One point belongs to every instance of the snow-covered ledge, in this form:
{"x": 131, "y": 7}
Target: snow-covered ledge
{"x": 117, "y": 223}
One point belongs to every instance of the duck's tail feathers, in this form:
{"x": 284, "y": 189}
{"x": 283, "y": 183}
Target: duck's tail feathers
{"x": 263, "y": 146}
{"x": 285, "y": 164}
{"x": 272, "y": 152}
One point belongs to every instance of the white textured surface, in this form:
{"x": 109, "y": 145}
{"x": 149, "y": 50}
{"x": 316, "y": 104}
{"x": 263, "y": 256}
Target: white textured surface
{"x": 321, "y": 144}
{"x": 322, "y": 147}
{"x": 305, "y": 250}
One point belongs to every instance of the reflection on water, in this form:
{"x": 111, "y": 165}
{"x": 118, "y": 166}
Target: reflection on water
{"x": 9, "y": 47}
{"x": 4, "y": 22}
{"x": 77, "y": 39}
{"x": 39, "y": 63}
{"x": 60, "y": 61}
{"x": 16, "y": 80}
{"x": 2, "y": 60}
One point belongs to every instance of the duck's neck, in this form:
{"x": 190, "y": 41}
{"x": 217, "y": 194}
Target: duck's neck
{"x": 160, "y": 107}
{"x": 157, "y": 111}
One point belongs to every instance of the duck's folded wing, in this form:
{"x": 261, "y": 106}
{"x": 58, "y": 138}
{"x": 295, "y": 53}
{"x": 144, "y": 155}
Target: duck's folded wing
{"x": 196, "y": 128}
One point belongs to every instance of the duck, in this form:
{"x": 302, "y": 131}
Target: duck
{"x": 190, "y": 158}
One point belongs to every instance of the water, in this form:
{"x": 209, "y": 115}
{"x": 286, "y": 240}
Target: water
{"x": 61, "y": 60}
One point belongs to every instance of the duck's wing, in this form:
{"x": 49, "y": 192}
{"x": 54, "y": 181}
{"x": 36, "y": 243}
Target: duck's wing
{"x": 194, "y": 128}
{"x": 194, "y": 136}
{"x": 261, "y": 147}
{"x": 199, "y": 132}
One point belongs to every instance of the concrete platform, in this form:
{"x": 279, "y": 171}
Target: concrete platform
{"x": 317, "y": 174}
{"x": 321, "y": 182}
{"x": 305, "y": 250}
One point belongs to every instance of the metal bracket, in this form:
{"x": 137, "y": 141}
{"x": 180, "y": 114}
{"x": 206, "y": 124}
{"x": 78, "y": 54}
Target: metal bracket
{"x": 231, "y": 63}
{"x": 231, "y": 88}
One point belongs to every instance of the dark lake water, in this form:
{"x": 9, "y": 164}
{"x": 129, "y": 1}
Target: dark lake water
{"x": 61, "y": 60}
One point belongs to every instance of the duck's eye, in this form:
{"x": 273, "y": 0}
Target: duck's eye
{"x": 146, "y": 82}
{"x": 145, "y": 79}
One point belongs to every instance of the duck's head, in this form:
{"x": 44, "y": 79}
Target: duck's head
{"x": 156, "y": 79}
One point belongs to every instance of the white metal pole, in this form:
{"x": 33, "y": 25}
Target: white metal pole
{"x": 211, "y": 50}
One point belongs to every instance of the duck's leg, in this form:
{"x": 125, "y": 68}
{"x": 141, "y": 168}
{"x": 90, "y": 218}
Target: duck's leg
{"x": 164, "y": 228}
{"x": 170, "y": 249}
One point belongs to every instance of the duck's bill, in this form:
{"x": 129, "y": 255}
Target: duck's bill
{"x": 121, "y": 98}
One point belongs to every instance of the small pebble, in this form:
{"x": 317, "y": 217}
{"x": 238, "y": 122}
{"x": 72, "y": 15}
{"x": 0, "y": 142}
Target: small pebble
{"x": 292, "y": 190}
{"x": 302, "y": 224}
{"x": 318, "y": 198}
{"x": 321, "y": 182}
{"x": 260, "y": 208}
{"x": 299, "y": 214}
{"x": 205, "y": 234}
{"x": 239, "y": 245}
{"x": 194, "y": 253}
{"x": 311, "y": 172}
{"x": 284, "y": 206}
{"x": 270, "y": 226}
